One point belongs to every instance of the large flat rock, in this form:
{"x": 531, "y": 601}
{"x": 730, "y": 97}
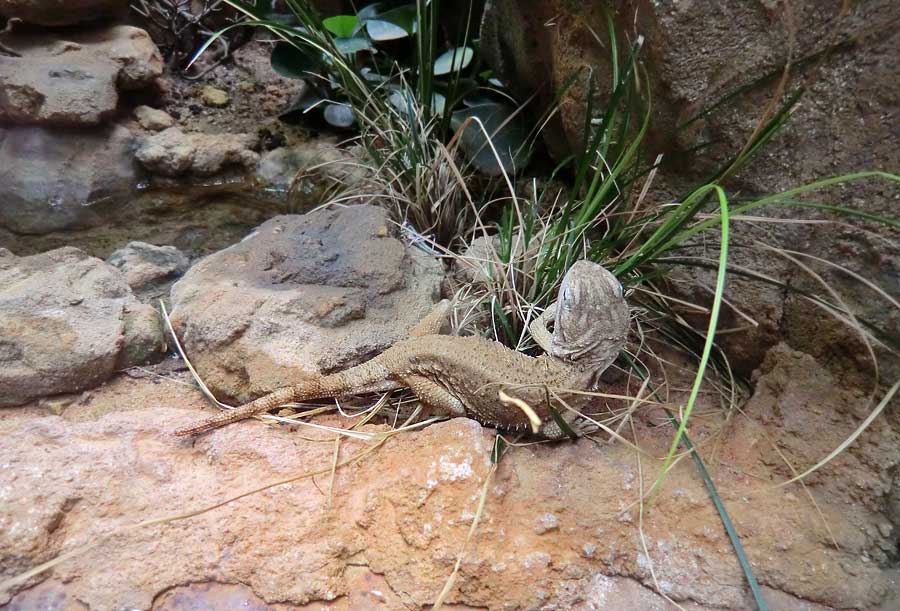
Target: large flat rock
{"x": 302, "y": 294}
{"x": 75, "y": 79}
{"x": 561, "y": 529}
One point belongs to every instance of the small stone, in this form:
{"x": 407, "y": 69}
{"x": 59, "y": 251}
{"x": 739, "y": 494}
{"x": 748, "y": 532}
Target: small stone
{"x": 149, "y": 270}
{"x": 546, "y": 523}
{"x": 311, "y": 168}
{"x": 172, "y": 152}
{"x": 213, "y": 96}
{"x": 153, "y": 119}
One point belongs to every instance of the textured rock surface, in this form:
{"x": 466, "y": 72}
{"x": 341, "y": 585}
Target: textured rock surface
{"x": 847, "y": 121}
{"x": 153, "y": 119}
{"x": 388, "y": 532}
{"x": 303, "y": 293}
{"x": 176, "y": 153}
{"x": 308, "y": 171}
{"x": 59, "y": 12}
{"x": 73, "y": 80}
{"x": 58, "y": 179}
{"x": 149, "y": 269}
{"x": 67, "y": 322}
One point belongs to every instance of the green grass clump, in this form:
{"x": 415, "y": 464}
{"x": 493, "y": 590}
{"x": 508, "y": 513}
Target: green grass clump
{"x": 419, "y": 114}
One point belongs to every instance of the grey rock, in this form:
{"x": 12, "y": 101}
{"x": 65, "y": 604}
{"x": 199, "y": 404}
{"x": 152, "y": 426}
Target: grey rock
{"x": 58, "y": 179}
{"x": 176, "y": 153}
{"x": 149, "y": 270}
{"x": 73, "y": 80}
{"x": 67, "y": 322}
{"x": 303, "y": 293}
{"x": 153, "y": 119}
{"x": 59, "y": 12}
{"x": 307, "y": 171}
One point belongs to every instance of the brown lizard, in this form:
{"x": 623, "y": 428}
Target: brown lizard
{"x": 461, "y": 376}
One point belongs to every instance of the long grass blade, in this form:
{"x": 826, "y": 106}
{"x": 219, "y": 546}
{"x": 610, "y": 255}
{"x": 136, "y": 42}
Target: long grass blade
{"x": 708, "y": 344}
{"x": 726, "y": 519}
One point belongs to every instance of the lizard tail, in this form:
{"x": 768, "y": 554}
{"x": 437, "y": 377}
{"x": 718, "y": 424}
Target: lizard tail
{"x": 358, "y": 379}
{"x": 259, "y": 406}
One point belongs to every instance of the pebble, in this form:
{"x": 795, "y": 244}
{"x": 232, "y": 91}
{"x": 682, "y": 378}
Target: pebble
{"x": 213, "y": 96}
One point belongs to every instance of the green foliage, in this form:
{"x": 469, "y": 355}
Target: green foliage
{"x": 390, "y": 55}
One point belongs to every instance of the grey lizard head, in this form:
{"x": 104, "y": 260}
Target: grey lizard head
{"x": 591, "y": 316}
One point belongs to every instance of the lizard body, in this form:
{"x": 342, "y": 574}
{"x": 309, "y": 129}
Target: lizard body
{"x": 461, "y": 376}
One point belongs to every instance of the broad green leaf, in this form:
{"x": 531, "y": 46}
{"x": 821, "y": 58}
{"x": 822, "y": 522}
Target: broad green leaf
{"x": 349, "y": 46}
{"x": 453, "y": 60}
{"x": 339, "y": 115}
{"x": 380, "y": 30}
{"x": 370, "y": 11}
{"x": 477, "y": 100}
{"x": 402, "y": 17}
{"x": 371, "y": 75}
{"x": 401, "y": 100}
{"x": 508, "y": 140}
{"x": 342, "y": 26}
{"x": 291, "y": 62}
{"x": 438, "y": 104}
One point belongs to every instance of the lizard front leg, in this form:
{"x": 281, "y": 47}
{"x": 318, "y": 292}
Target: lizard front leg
{"x": 433, "y": 321}
{"x": 538, "y": 328}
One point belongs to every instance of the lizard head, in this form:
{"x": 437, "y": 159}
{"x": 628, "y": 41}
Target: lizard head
{"x": 591, "y": 316}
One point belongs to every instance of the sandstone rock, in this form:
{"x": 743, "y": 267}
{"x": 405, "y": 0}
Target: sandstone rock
{"x": 57, "y": 179}
{"x": 59, "y": 12}
{"x": 254, "y": 60}
{"x": 73, "y": 81}
{"x": 387, "y": 533}
{"x": 317, "y": 292}
{"x": 68, "y": 322}
{"x": 175, "y": 153}
{"x": 153, "y": 119}
{"x": 149, "y": 270}
{"x": 213, "y": 96}
{"x": 845, "y": 122}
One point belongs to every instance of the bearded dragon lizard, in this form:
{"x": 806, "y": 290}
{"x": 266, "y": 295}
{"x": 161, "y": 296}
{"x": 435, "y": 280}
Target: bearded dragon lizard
{"x": 461, "y": 376}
